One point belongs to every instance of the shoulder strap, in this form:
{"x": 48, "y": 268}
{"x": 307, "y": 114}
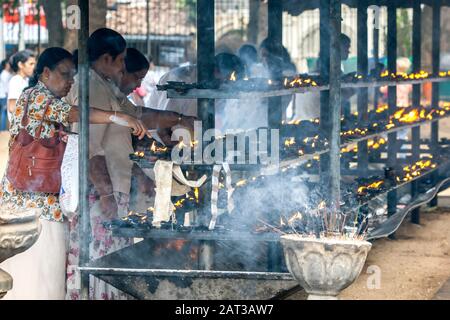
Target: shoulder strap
{"x": 25, "y": 115}
{"x": 23, "y": 122}
{"x": 39, "y": 129}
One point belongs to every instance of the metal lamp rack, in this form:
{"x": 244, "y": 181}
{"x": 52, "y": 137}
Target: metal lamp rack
{"x": 139, "y": 280}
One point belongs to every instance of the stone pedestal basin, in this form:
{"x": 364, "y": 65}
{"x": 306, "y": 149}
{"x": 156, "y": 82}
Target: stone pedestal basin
{"x": 324, "y": 267}
{"x": 19, "y": 230}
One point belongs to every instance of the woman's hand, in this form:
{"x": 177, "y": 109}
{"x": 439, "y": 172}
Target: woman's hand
{"x": 139, "y": 129}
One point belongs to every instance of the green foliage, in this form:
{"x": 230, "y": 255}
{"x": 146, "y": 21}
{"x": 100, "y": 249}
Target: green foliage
{"x": 191, "y": 7}
{"x": 404, "y": 33}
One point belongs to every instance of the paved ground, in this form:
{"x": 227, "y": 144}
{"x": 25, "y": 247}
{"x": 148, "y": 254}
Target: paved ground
{"x": 444, "y": 292}
{"x": 412, "y": 267}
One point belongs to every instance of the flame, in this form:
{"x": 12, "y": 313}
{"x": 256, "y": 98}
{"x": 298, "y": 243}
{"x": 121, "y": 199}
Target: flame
{"x": 196, "y": 194}
{"x": 233, "y": 76}
{"x": 289, "y": 142}
{"x": 294, "y": 122}
{"x": 397, "y": 115}
{"x": 241, "y": 183}
{"x": 410, "y": 117}
{"x": 390, "y": 126}
{"x": 296, "y": 216}
{"x": 373, "y": 186}
{"x": 382, "y": 108}
{"x": 322, "y": 205}
{"x": 155, "y": 149}
{"x": 179, "y": 203}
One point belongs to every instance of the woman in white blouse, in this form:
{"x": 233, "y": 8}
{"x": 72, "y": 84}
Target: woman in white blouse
{"x": 22, "y": 63}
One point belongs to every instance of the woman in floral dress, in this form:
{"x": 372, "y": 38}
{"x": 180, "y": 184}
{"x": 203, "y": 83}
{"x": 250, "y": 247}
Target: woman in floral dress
{"x": 40, "y": 272}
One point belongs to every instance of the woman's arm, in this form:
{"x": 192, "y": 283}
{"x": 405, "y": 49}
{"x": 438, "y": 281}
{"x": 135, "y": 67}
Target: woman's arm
{"x": 160, "y": 119}
{"x": 12, "y": 105}
{"x": 97, "y": 116}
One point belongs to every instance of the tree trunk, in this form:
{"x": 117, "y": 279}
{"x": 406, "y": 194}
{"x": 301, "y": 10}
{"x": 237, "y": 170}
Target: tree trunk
{"x": 263, "y": 21}
{"x": 253, "y": 23}
{"x": 71, "y": 36}
{"x": 427, "y": 28}
{"x": 53, "y": 15}
{"x": 97, "y": 14}
{"x": 97, "y": 19}
{"x": 445, "y": 29}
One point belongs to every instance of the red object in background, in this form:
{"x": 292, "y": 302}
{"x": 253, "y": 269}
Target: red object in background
{"x": 140, "y": 91}
{"x": 12, "y": 16}
{"x": 427, "y": 92}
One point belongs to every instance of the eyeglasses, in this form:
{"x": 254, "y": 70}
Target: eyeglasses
{"x": 66, "y": 75}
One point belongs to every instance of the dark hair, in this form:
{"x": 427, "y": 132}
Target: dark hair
{"x": 21, "y": 56}
{"x": 135, "y": 61}
{"x": 105, "y": 41}
{"x": 247, "y": 52}
{"x": 4, "y": 62}
{"x": 226, "y": 63}
{"x": 279, "y": 59}
{"x": 343, "y": 37}
{"x": 249, "y": 56}
{"x": 50, "y": 58}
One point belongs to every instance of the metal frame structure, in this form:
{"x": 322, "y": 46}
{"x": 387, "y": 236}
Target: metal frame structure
{"x": 330, "y": 163}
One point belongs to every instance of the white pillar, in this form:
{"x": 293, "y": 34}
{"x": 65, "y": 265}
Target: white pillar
{"x": 22, "y": 25}
{"x": 2, "y": 40}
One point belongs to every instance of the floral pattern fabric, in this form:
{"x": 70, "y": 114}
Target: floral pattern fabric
{"x": 101, "y": 243}
{"x": 57, "y": 113}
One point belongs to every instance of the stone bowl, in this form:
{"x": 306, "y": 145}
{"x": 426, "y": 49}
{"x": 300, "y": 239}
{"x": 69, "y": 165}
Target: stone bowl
{"x": 326, "y": 266}
{"x": 19, "y": 230}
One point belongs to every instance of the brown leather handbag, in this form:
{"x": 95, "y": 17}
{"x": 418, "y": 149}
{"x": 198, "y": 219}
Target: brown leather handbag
{"x": 35, "y": 163}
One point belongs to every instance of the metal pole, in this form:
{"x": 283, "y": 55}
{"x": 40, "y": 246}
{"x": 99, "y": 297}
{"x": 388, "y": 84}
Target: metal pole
{"x": 415, "y": 132}
{"x": 436, "y": 55}
{"x": 2, "y": 40}
{"x": 206, "y": 112}
{"x": 392, "y": 96}
{"x": 38, "y": 5}
{"x": 83, "y": 94}
{"x": 275, "y": 32}
{"x": 363, "y": 68}
{"x": 22, "y": 25}
{"x": 335, "y": 102}
{"x": 324, "y": 60}
{"x": 149, "y": 49}
{"x": 376, "y": 58}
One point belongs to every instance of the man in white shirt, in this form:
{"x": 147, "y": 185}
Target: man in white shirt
{"x": 231, "y": 114}
{"x": 5, "y": 77}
